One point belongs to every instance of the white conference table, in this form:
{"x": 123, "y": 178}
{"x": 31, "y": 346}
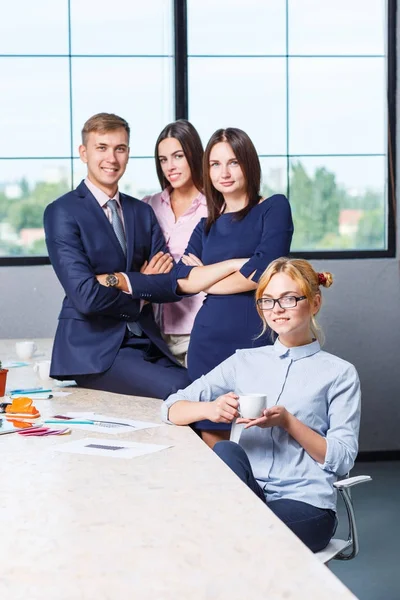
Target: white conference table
{"x": 172, "y": 525}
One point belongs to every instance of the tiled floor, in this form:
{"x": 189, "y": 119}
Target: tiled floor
{"x": 375, "y": 573}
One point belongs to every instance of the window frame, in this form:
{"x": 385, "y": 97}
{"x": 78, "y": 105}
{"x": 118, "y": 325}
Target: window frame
{"x": 180, "y": 28}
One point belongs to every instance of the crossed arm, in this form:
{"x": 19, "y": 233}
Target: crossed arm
{"x": 160, "y": 263}
{"x": 233, "y": 283}
{"x": 74, "y": 269}
{"x": 204, "y": 278}
{"x": 235, "y": 276}
{"x": 75, "y": 272}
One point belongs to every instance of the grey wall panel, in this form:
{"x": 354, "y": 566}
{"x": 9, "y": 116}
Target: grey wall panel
{"x": 361, "y": 320}
{"x": 30, "y": 300}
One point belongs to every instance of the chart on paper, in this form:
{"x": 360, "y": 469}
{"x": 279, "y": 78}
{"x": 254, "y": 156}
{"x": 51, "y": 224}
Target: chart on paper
{"x": 101, "y": 447}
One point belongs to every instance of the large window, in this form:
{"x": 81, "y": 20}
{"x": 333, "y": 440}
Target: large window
{"x": 308, "y": 81}
{"x": 311, "y": 82}
{"x": 62, "y": 62}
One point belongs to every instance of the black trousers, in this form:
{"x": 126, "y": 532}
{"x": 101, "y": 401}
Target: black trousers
{"x": 139, "y": 369}
{"x": 314, "y": 526}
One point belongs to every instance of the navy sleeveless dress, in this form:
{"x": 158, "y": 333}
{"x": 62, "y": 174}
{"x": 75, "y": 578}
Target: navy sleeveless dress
{"x": 229, "y": 322}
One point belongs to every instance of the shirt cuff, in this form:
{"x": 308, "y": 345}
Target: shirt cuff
{"x": 330, "y": 463}
{"x": 164, "y": 414}
{"x": 128, "y": 283}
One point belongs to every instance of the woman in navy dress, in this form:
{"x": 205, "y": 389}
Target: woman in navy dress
{"x": 227, "y": 254}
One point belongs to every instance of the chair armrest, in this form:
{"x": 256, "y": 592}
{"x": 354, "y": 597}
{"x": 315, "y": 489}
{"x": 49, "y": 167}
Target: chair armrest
{"x": 350, "y": 481}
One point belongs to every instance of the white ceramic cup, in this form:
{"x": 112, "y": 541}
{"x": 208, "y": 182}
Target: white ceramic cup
{"x": 42, "y": 370}
{"x": 25, "y": 349}
{"x": 251, "y": 406}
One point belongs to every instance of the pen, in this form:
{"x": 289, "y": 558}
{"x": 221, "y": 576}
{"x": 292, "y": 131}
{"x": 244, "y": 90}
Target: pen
{"x": 30, "y": 391}
{"x": 100, "y": 422}
{"x": 35, "y": 396}
{"x": 72, "y": 421}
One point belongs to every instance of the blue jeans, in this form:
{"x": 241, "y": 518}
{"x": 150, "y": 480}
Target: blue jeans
{"x": 314, "y": 526}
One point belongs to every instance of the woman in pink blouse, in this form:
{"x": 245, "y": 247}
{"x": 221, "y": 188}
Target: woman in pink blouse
{"x": 179, "y": 208}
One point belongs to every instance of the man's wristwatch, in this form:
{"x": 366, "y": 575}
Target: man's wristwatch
{"x": 112, "y": 280}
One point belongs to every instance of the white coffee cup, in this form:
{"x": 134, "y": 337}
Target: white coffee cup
{"x": 251, "y": 406}
{"x": 42, "y": 370}
{"x": 25, "y": 349}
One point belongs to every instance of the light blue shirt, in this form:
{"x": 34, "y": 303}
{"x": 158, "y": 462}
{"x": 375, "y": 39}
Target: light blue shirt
{"x": 320, "y": 389}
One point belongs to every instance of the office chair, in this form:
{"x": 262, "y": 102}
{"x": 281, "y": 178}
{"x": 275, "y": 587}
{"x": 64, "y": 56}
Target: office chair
{"x": 344, "y": 549}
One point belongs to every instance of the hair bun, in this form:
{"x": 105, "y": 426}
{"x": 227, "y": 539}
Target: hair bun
{"x": 325, "y": 279}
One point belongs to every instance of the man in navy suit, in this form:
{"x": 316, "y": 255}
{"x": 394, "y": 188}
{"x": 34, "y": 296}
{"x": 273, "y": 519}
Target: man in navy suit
{"x": 109, "y": 254}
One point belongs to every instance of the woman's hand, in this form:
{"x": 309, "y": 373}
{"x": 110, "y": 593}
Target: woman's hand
{"x": 160, "y": 263}
{"x": 224, "y": 408}
{"x": 190, "y": 260}
{"x": 276, "y": 416}
{"x": 239, "y": 262}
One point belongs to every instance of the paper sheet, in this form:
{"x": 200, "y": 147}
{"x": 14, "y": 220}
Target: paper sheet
{"x": 66, "y": 383}
{"x": 121, "y": 425}
{"x": 104, "y": 447}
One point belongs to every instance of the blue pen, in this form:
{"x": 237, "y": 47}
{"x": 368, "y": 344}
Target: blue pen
{"x": 37, "y": 390}
{"x": 27, "y": 390}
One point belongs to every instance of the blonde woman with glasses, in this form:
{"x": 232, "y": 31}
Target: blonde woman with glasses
{"x": 290, "y": 455}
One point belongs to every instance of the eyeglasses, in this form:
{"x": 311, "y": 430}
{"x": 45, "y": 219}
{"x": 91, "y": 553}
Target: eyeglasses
{"x": 284, "y": 302}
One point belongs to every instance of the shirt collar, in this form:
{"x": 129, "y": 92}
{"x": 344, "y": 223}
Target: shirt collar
{"x": 298, "y": 351}
{"x": 101, "y": 197}
{"x": 166, "y": 198}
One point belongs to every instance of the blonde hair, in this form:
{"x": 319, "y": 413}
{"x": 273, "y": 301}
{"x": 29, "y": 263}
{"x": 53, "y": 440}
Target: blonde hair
{"x": 302, "y": 272}
{"x": 103, "y": 123}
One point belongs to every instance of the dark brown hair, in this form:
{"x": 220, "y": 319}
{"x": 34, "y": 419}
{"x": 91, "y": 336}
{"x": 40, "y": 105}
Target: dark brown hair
{"x": 189, "y": 139}
{"x": 246, "y": 155}
{"x": 104, "y": 122}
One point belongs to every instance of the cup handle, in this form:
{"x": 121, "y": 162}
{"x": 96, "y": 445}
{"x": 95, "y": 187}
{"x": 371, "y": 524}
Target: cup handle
{"x": 34, "y": 348}
{"x": 35, "y": 368}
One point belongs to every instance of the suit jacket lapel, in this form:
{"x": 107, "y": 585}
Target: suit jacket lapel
{"x": 128, "y": 210}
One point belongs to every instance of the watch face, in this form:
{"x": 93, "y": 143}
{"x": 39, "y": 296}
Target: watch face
{"x": 112, "y": 280}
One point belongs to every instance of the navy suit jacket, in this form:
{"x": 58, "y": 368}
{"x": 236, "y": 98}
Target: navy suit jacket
{"x": 81, "y": 244}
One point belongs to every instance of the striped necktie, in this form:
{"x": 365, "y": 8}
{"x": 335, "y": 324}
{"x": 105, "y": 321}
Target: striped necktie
{"x": 117, "y": 224}
{"x": 120, "y": 234}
